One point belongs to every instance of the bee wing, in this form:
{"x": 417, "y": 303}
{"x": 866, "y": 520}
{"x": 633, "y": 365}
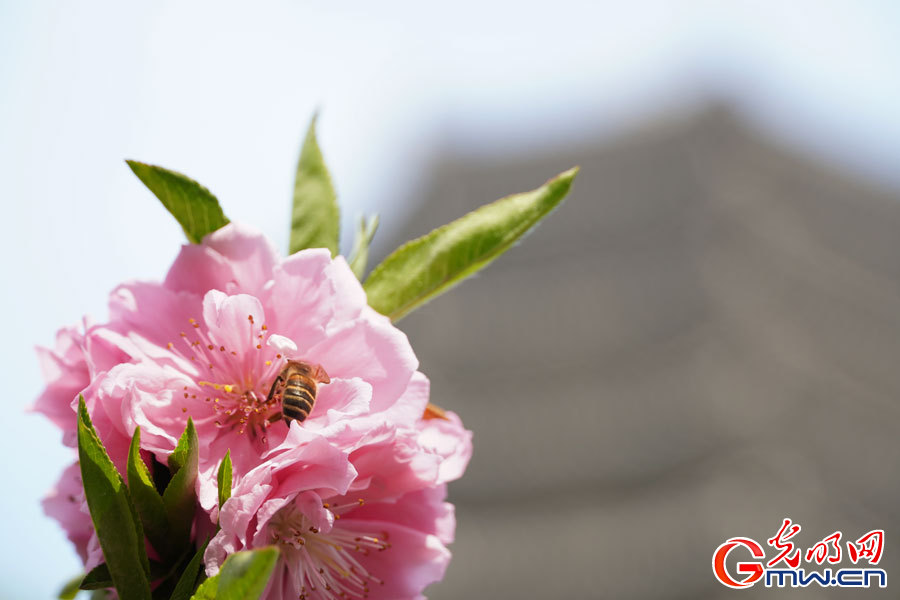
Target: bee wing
{"x": 320, "y": 375}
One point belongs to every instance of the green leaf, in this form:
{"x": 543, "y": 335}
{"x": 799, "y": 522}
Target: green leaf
{"x": 244, "y": 575}
{"x": 180, "y": 496}
{"x": 430, "y": 265}
{"x": 192, "y": 205}
{"x": 100, "y": 579}
{"x": 207, "y": 589}
{"x": 97, "y": 579}
{"x": 165, "y": 576}
{"x": 186, "y": 442}
{"x": 147, "y": 501}
{"x": 71, "y": 588}
{"x": 188, "y": 580}
{"x": 224, "y": 479}
{"x": 315, "y": 218}
{"x": 115, "y": 518}
{"x": 360, "y": 254}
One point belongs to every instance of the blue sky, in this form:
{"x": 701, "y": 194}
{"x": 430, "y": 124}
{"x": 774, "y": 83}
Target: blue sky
{"x": 224, "y": 93}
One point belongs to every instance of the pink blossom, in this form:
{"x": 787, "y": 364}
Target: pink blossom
{"x": 209, "y": 341}
{"x": 380, "y": 534}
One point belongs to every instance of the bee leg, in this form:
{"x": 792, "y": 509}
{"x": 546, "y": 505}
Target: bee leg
{"x": 275, "y": 383}
{"x": 275, "y": 418}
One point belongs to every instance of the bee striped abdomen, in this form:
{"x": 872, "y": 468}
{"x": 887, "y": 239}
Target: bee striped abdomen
{"x": 296, "y": 387}
{"x": 299, "y": 396}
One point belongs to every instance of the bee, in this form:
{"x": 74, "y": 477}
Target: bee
{"x": 296, "y": 387}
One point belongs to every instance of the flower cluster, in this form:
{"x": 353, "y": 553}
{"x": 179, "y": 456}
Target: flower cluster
{"x": 354, "y": 496}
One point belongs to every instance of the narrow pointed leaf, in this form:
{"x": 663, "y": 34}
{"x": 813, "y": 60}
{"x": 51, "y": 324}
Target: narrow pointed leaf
{"x": 147, "y": 501}
{"x": 165, "y": 576}
{"x": 244, "y": 575}
{"x": 430, "y": 265}
{"x": 359, "y": 257}
{"x": 180, "y": 497}
{"x": 188, "y": 580}
{"x": 187, "y": 440}
{"x": 97, "y": 578}
{"x": 71, "y": 588}
{"x": 223, "y": 478}
{"x": 208, "y": 589}
{"x": 115, "y": 519}
{"x": 193, "y": 206}
{"x": 315, "y": 217}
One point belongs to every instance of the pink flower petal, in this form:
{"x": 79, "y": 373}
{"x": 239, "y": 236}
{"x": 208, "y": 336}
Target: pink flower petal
{"x": 373, "y": 350}
{"x": 198, "y": 269}
{"x": 230, "y": 323}
{"x": 249, "y": 253}
{"x": 423, "y": 510}
{"x": 67, "y": 505}
{"x": 413, "y": 562}
{"x": 450, "y": 440}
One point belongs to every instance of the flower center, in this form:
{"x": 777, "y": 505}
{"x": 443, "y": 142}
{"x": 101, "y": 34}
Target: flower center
{"x": 245, "y": 411}
{"x": 237, "y": 381}
{"x": 327, "y": 565}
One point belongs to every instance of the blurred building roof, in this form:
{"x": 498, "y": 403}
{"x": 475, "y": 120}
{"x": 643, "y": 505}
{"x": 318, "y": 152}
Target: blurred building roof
{"x": 701, "y": 342}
